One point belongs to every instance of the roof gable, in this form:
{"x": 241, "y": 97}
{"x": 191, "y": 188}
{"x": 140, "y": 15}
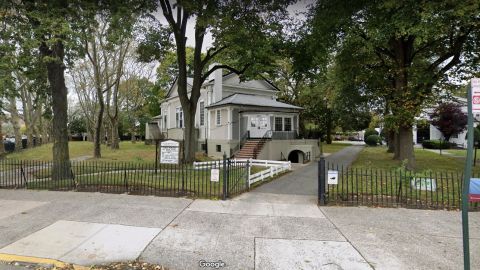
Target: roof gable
{"x": 172, "y": 92}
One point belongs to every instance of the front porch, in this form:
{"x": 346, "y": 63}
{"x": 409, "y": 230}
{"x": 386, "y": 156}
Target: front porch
{"x": 271, "y": 125}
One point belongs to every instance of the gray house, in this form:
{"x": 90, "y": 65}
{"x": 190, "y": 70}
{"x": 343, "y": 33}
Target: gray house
{"x": 239, "y": 118}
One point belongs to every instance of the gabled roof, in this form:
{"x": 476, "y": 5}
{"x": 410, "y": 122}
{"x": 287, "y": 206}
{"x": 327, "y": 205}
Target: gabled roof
{"x": 189, "y": 82}
{"x": 253, "y": 100}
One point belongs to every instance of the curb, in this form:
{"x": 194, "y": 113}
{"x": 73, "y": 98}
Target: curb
{"x": 8, "y": 258}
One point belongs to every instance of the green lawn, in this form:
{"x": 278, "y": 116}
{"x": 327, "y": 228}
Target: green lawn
{"x": 376, "y": 179}
{"x": 458, "y": 152}
{"x": 378, "y": 158}
{"x": 334, "y": 147}
{"x": 128, "y": 152}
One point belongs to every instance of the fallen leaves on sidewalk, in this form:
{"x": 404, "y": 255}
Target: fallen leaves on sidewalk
{"x": 134, "y": 265}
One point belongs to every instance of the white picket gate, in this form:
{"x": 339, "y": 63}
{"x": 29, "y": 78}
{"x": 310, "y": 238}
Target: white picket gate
{"x": 273, "y": 167}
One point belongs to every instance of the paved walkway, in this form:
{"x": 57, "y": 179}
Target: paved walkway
{"x": 304, "y": 181}
{"x": 288, "y": 232}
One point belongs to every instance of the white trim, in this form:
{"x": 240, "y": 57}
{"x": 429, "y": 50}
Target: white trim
{"x": 229, "y": 124}
{"x": 272, "y": 167}
{"x": 180, "y": 122}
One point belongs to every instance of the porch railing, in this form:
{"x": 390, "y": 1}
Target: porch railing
{"x": 239, "y": 146}
{"x": 284, "y": 135}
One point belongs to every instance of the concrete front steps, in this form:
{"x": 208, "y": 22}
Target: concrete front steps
{"x": 251, "y": 148}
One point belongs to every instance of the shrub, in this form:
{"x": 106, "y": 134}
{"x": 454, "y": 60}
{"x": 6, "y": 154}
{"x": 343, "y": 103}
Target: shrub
{"x": 436, "y": 144}
{"x": 372, "y": 140}
{"x": 369, "y": 132}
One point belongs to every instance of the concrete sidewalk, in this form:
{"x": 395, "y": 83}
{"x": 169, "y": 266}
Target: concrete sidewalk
{"x": 252, "y": 231}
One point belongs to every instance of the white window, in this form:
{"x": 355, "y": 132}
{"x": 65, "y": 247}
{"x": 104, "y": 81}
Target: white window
{"x": 218, "y": 118}
{"x": 287, "y": 124}
{"x": 165, "y": 117}
{"x": 278, "y": 123}
{"x": 179, "y": 117}
{"x": 202, "y": 113}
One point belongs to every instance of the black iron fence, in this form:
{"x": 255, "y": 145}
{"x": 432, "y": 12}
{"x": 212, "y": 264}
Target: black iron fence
{"x": 348, "y": 186}
{"x": 127, "y": 177}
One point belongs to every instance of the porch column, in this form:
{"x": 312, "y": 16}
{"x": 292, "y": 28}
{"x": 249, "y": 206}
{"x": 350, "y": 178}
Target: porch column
{"x": 229, "y": 124}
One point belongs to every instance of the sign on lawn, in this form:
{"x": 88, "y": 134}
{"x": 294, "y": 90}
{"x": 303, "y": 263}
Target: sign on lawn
{"x": 475, "y": 85}
{"x": 169, "y": 152}
{"x": 332, "y": 177}
{"x": 425, "y": 184}
{"x": 214, "y": 175}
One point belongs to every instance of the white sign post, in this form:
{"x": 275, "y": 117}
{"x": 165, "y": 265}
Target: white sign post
{"x": 215, "y": 175}
{"x": 169, "y": 152}
{"x": 332, "y": 177}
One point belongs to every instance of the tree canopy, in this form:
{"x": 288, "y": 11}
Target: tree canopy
{"x": 402, "y": 49}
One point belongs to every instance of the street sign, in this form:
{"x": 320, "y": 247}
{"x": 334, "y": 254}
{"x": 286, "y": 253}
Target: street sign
{"x": 215, "y": 175}
{"x": 332, "y": 177}
{"x": 169, "y": 152}
{"x": 474, "y": 191}
{"x": 475, "y": 87}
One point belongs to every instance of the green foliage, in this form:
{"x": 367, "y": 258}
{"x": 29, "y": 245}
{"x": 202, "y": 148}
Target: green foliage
{"x": 167, "y": 71}
{"x": 77, "y": 125}
{"x": 369, "y": 132}
{"x": 395, "y": 51}
{"x": 436, "y": 144}
{"x": 449, "y": 119}
{"x": 372, "y": 140}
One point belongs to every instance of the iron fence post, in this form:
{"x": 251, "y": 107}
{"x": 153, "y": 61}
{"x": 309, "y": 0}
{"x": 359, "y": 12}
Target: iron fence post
{"x": 125, "y": 178}
{"x": 225, "y": 188}
{"x": 321, "y": 181}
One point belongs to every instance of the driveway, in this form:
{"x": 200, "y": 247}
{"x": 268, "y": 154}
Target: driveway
{"x": 304, "y": 180}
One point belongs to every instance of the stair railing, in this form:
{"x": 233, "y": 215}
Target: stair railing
{"x": 243, "y": 140}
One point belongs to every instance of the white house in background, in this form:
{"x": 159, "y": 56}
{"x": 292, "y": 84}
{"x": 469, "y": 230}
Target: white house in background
{"x": 432, "y": 133}
{"x": 239, "y": 118}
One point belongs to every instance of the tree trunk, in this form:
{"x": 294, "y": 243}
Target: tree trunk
{"x": 99, "y": 136}
{"x": 27, "y": 117}
{"x": 15, "y": 118}
{"x": 132, "y": 134}
{"x": 405, "y": 146}
{"x": 114, "y": 133}
{"x": 55, "y": 69}
{"x": 329, "y": 128}
{"x": 391, "y": 141}
{"x": 329, "y": 133}
{"x": 2, "y": 145}
{"x": 189, "y": 136}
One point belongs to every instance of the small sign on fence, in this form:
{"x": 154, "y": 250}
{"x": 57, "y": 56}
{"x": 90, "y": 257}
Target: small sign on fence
{"x": 215, "y": 175}
{"x": 425, "y": 184}
{"x": 169, "y": 152}
{"x": 332, "y": 177}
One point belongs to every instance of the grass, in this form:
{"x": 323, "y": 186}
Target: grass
{"x": 376, "y": 179}
{"x": 128, "y": 152}
{"x": 378, "y": 158}
{"x": 334, "y": 147}
{"x": 457, "y": 152}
